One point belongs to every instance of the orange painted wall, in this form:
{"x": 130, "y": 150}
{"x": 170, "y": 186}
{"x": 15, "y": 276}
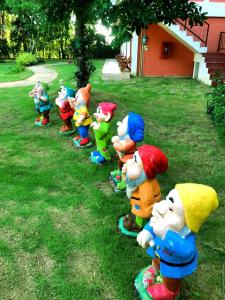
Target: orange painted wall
{"x": 216, "y": 0}
{"x": 180, "y": 63}
{"x": 216, "y": 25}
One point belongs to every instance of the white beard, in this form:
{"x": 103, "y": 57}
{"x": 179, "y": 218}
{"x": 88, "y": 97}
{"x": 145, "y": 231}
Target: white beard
{"x": 132, "y": 185}
{"x": 168, "y": 221}
{"x": 130, "y": 190}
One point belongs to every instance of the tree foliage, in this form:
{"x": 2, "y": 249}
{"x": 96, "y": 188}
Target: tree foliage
{"x": 31, "y": 31}
{"x": 127, "y": 16}
{"x": 27, "y": 24}
{"x": 38, "y": 23}
{"x": 216, "y": 103}
{"x": 85, "y": 14}
{"x": 99, "y": 47}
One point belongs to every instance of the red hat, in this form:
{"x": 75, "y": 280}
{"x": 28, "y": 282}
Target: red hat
{"x": 153, "y": 159}
{"x": 108, "y": 107}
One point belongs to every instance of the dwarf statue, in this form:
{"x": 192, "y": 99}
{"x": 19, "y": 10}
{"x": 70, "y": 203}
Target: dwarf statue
{"x": 130, "y": 131}
{"x": 81, "y": 116}
{"x": 65, "y": 110}
{"x": 104, "y": 114}
{"x": 171, "y": 237}
{"x": 41, "y": 103}
{"x": 142, "y": 187}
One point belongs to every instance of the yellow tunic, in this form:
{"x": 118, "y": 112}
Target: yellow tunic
{"x": 82, "y": 111}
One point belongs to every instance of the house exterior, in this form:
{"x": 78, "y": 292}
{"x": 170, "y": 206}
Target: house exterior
{"x": 179, "y": 50}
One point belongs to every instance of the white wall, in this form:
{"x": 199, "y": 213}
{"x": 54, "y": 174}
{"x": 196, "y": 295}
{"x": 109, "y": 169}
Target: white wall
{"x": 202, "y": 72}
{"x": 214, "y": 9}
{"x": 134, "y": 50}
{"x": 125, "y": 49}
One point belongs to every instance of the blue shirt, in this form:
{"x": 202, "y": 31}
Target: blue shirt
{"x": 177, "y": 252}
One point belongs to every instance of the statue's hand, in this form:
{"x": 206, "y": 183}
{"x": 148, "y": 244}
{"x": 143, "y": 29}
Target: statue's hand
{"x": 124, "y": 169}
{"x": 71, "y": 101}
{"x": 95, "y": 125}
{"x": 144, "y": 237}
{"x": 115, "y": 139}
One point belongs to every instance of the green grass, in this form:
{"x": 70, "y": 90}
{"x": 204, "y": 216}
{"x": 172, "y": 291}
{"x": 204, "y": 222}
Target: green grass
{"x": 5, "y": 74}
{"x": 58, "y": 214}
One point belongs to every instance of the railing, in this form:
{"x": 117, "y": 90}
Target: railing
{"x": 221, "y": 45}
{"x": 199, "y": 32}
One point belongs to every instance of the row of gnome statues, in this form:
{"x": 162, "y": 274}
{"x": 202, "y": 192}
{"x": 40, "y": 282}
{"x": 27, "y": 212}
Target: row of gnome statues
{"x": 170, "y": 235}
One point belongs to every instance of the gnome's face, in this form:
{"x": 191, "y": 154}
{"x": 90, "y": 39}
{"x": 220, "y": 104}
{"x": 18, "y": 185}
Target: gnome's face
{"x": 134, "y": 167}
{"x": 135, "y": 174}
{"x": 122, "y": 127}
{"x": 38, "y": 90}
{"x": 100, "y": 116}
{"x": 168, "y": 215}
{"x": 79, "y": 99}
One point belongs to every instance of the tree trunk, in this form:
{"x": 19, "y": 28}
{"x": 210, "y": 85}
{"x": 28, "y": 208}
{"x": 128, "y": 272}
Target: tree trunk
{"x": 25, "y": 47}
{"x": 81, "y": 51}
{"x": 63, "y": 55}
{"x": 2, "y": 24}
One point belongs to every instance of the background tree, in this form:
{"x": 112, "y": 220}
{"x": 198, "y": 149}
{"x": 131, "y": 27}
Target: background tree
{"x": 4, "y": 47}
{"x": 42, "y": 24}
{"x": 30, "y": 30}
{"x": 27, "y": 22}
{"x": 83, "y": 11}
{"x": 125, "y": 16}
{"x": 99, "y": 47}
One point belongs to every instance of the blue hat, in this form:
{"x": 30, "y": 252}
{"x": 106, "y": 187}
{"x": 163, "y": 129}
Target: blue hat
{"x": 70, "y": 92}
{"x": 135, "y": 127}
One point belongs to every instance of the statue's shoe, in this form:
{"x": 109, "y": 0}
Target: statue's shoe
{"x": 160, "y": 292}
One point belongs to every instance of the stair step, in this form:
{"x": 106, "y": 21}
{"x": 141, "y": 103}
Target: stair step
{"x": 215, "y": 65}
{"x": 214, "y": 59}
{"x": 187, "y": 38}
{"x": 188, "y": 33}
{"x": 213, "y": 71}
{"x": 214, "y": 55}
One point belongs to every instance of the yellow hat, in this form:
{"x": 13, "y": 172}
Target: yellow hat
{"x": 198, "y": 201}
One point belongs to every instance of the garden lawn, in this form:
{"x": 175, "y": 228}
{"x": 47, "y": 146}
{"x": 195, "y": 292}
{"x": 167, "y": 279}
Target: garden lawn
{"x": 58, "y": 214}
{"x": 6, "y": 75}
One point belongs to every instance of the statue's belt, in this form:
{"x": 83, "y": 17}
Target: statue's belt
{"x": 137, "y": 198}
{"x": 173, "y": 264}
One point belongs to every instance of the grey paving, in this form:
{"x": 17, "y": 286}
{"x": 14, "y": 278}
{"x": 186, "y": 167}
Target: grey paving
{"x": 41, "y": 73}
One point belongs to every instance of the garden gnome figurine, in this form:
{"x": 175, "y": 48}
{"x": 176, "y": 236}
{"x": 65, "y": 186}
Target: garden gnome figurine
{"x": 104, "y": 114}
{"x": 171, "y": 237}
{"x": 81, "y": 116}
{"x": 130, "y": 131}
{"x": 41, "y": 103}
{"x": 65, "y": 110}
{"x": 142, "y": 187}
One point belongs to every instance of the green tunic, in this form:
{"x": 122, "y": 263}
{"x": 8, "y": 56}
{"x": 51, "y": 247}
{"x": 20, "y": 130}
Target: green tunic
{"x": 103, "y": 138}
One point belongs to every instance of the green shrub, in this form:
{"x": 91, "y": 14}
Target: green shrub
{"x": 26, "y": 59}
{"x": 216, "y": 106}
{"x": 17, "y": 68}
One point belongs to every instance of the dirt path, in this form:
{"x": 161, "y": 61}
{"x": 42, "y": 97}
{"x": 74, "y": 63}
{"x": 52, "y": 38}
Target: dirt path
{"x": 41, "y": 73}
